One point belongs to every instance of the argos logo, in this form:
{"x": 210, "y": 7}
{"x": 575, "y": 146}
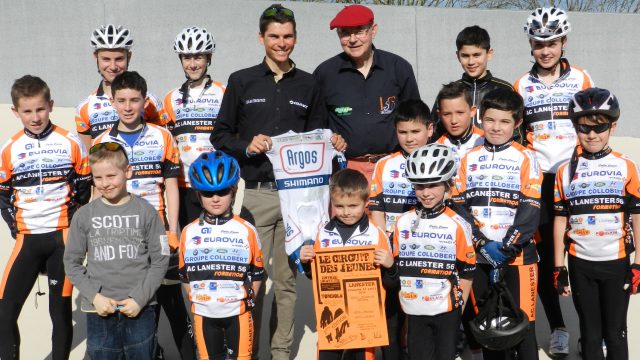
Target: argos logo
{"x": 302, "y": 158}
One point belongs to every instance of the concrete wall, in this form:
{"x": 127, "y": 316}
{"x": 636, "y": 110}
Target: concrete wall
{"x": 51, "y": 39}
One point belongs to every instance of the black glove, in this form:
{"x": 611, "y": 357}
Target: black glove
{"x": 560, "y": 278}
{"x": 496, "y": 275}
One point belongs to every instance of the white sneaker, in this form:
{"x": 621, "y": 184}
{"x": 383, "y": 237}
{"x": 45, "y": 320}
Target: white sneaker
{"x": 559, "y": 342}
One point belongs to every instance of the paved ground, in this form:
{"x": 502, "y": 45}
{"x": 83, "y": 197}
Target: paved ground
{"x": 36, "y": 328}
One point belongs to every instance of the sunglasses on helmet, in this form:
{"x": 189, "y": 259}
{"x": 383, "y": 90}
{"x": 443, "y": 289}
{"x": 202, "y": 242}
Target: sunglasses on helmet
{"x": 109, "y": 146}
{"x": 273, "y": 11}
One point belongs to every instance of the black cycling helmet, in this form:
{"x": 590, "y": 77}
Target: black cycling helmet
{"x": 594, "y": 101}
{"x": 500, "y": 323}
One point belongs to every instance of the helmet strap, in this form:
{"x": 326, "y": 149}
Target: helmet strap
{"x": 186, "y": 86}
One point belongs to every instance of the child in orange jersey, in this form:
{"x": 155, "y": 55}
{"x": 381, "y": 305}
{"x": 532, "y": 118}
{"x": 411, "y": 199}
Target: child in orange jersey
{"x": 350, "y": 226}
{"x": 44, "y": 178}
{"x": 499, "y": 183}
{"x": 597, "y": 204}
{"x": 433, "y": 245}
{"x": 220, "y": 262}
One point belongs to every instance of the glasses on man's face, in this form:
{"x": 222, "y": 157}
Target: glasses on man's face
{"x": 359, "y": 32}
{"x": 219, "y": 193}
{"x": 599, "y": 128}
{"x": 110, "y": 146}
{"x": 273, "y": 11}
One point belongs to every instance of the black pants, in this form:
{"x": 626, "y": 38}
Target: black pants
{"x": 602, "y": 304}
{"x": 31, "y": 253}
{"x": 354, "y": 354}
{"x": 433, "y": 337}
{"x": 521, "y": 281}
{"x": 548, "y": 294}
{"x": 170, "y": 299}
{"x": 228, "y": 338}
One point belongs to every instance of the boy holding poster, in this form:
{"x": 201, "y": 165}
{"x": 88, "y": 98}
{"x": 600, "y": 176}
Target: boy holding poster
{"x": 350, "y": 226}
{"x": 435, "y": 256}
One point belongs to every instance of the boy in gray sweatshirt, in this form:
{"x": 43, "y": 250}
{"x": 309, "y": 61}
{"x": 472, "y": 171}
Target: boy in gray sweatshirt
{"x": 127, "y": 251}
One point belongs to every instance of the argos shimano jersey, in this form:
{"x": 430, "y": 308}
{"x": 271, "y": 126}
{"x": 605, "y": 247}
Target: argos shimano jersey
{"x": 302, "y": 164}
{"x": 391, "y": 192}
{"x": 431, "y": 259}
{"x": 44, "y": 178}
{"x": 546, "y": 113}
{"x": 95, "y": 114}
{"x": 191, "y": 121}
{"x": 500, "y": 185}
{"x": 153, "y": 158}
{"x": 597, "y": 200}
{"x": 219, "y": 258}
{"x": 464, "y": 144}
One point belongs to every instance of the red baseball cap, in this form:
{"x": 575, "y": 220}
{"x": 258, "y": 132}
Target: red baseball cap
{"x": 352, "y": 16}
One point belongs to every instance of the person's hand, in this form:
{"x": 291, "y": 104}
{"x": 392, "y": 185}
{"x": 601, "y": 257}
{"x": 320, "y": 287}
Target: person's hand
{"x": 632, "y": 281}
{"x": 338, "y": 142}
{"x": 104, "y": 305}
{"x": 260, "y": 144}
{"x": 129, "y": 307}
{"x": 561, "y": 280}
{"x": 306, "y": 253}
{"x": 493, "y": 253}
{"x": 383, "y": 258}
{"x": 174, "y": 242}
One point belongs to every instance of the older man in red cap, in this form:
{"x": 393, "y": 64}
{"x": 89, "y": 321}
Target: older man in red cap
{"x": 362, "y": 87}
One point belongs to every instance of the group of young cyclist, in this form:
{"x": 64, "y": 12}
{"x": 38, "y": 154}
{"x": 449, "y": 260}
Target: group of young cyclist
{"x": 497, "y": 182}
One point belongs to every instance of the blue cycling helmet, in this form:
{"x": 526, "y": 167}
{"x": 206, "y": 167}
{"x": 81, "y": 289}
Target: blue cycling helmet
{"x": 214, "y": 171}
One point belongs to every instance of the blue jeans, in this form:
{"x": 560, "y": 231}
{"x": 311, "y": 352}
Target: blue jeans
{"x": 119, "y": 337}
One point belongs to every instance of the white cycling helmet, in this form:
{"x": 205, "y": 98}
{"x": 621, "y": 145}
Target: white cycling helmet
{"x": 111, "y": 37}
{"x": 546, "y": 24}
{"x": 430, "y": 164}
{"x": 194, "y": 40}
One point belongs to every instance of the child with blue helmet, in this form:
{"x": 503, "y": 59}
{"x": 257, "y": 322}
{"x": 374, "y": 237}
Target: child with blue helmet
{"x": 220, "y": 262}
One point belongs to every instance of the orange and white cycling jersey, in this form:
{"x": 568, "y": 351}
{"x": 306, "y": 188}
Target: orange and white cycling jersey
{"x": 219, "y": 258}
{"x": 390, "y": 191}
{"x": 365, "y": 233}
{"x": 500, "y": 185}
{"x": 431, "y": 259}
{"x": 95, "y": 114}
{"x": 153, "y": 158}
{"x": 598, "y": 200}
{"x": 191, "y": 122}
{"x": 464, "y": 144}
{"x": 546, "y": 113}
{"x": 44, "y": 178}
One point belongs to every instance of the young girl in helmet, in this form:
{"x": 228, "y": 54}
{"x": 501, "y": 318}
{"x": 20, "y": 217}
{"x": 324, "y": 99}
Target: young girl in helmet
{"x": 220, "y": 262}
{"x": 433, "y": 246}
{"x": 597, "y": 193}
{"x": 546, "y": 90}
{"x": 191, "y": 110}
{"x": 112, "y": 51}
